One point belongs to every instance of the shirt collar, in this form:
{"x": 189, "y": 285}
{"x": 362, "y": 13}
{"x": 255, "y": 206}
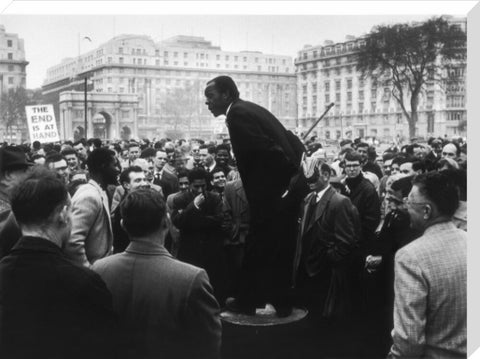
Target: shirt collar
{"x": 228, "y": 109}
{"x": 322, "y": 193}
{"x": 210, "y": 168}
{"x": 95, "y": 184}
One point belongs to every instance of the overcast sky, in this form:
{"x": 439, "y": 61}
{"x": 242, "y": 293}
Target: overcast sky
{"x": 52, "y": 37}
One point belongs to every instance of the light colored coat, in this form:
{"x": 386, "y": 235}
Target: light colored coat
{"x": 430, "y": 312}
{"x": 92, "y": 236}
{"x": 165, "y": 307}
{"x": 236, "y": 200}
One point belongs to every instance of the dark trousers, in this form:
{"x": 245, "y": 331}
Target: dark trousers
{"x": 233, "y": 260}
{"x": 266, "y": 270}
{"x": 209, "y": 255}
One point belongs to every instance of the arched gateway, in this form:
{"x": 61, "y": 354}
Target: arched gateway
{"x": 108, "y": 115}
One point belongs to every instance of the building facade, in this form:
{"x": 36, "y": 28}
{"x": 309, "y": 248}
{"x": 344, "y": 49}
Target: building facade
{"x": 365, "y": 107}
{"x": 168, "y": 79}
{"x": 12, "y": 76}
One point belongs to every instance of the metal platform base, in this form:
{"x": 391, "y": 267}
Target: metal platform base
{"x": 264, "y": 317}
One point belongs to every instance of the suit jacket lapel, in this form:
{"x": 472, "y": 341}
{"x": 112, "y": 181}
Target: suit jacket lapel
{"x": 320, "y": 208}
{"x": 306, "y": 204}
{"x": 103, "y": 195}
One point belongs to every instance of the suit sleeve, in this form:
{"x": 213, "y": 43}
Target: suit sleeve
{"x": 203, "y": 317}
{"x": 85, "y": 210}
{"x": 96, "y": 322}
{"x": 411, "y": 290}
{"x": 371, "y": 213}
{"x": 344, "y": 229}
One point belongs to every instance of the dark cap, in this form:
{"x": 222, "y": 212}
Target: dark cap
{"x": 12, "y": 157}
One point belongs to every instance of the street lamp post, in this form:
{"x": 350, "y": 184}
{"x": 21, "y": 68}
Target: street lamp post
{"x": 341, "y": 126}
{"x": 85, "y": 105}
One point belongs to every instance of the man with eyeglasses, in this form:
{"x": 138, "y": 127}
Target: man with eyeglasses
{"x": 430, "y": 310}
{"x": 364, "y": 197}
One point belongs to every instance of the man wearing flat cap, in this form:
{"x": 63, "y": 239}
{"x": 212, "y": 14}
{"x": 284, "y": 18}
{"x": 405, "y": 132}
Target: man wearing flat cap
{"x": 13, "y": 168}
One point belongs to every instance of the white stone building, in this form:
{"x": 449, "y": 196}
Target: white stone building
{"x": 169, "y": 78}
{"x": 363, "y": 106}
{"x": 12, "y": 74}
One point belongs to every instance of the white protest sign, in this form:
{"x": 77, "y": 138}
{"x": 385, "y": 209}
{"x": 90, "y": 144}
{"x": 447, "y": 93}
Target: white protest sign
{"x": 41, "y": 123}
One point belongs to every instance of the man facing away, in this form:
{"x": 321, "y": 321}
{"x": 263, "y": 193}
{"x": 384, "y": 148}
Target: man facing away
{"x": 267, "y": 160}
{"x": 166, "y": 308}
{"x": 49, "y": 307}
{"x": 430, "y": 309}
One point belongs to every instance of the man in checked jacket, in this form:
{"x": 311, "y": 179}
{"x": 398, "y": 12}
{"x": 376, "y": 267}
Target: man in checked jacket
{"x": 430, "y": 310}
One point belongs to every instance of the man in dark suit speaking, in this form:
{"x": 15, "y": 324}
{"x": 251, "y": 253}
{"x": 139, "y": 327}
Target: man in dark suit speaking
{"x": 267, "y": 157}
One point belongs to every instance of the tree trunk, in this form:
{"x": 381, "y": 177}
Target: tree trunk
{"x": 411, "y": 124}
{"x": 414, "y": 115}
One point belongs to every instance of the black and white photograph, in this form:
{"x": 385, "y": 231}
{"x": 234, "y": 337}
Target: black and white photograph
{"x": 236, "y": 179}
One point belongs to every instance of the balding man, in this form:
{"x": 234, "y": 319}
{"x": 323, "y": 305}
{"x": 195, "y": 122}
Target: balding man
{"x": 450, "y": 151}
{"x": 430, "y": 310}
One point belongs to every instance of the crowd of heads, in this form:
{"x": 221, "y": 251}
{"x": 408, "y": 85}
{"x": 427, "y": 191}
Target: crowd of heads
{"x": 198, "y": 163}
{"x": 437, "y": 165}
{"x": 131, "y": 164}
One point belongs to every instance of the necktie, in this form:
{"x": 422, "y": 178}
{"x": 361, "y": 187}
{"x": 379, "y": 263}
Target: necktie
{"x": 310, "y": 215}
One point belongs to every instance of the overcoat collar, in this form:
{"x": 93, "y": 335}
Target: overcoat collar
{"x": 145, "y": 248}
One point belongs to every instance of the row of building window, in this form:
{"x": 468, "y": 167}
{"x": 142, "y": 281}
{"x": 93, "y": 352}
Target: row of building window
{"x": 10, "y": 80}
{"x": 260, "y": 78}
{"x": 139, "y": 61}
{"x": 201, "y": 56}
{"x": 330, "y": 50}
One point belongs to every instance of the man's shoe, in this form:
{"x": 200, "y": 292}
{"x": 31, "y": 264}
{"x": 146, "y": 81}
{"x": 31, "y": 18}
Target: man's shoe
{"x": 235, "y": 306}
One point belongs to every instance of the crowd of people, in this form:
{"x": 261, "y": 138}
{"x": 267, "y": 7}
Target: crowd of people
{"x": 185, "y": 200}
{"x": 131, "y": 248}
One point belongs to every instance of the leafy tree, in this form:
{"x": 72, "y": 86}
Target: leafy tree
{"x": 174, "y": 134}
{"x": 35, "y": 97}
{"x": 12, "y": 109}
{"x": 404, "y": 55}
{"x": 182, "y": 106}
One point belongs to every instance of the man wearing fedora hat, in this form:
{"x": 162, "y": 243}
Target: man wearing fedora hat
{"x": 13, "y": 168}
